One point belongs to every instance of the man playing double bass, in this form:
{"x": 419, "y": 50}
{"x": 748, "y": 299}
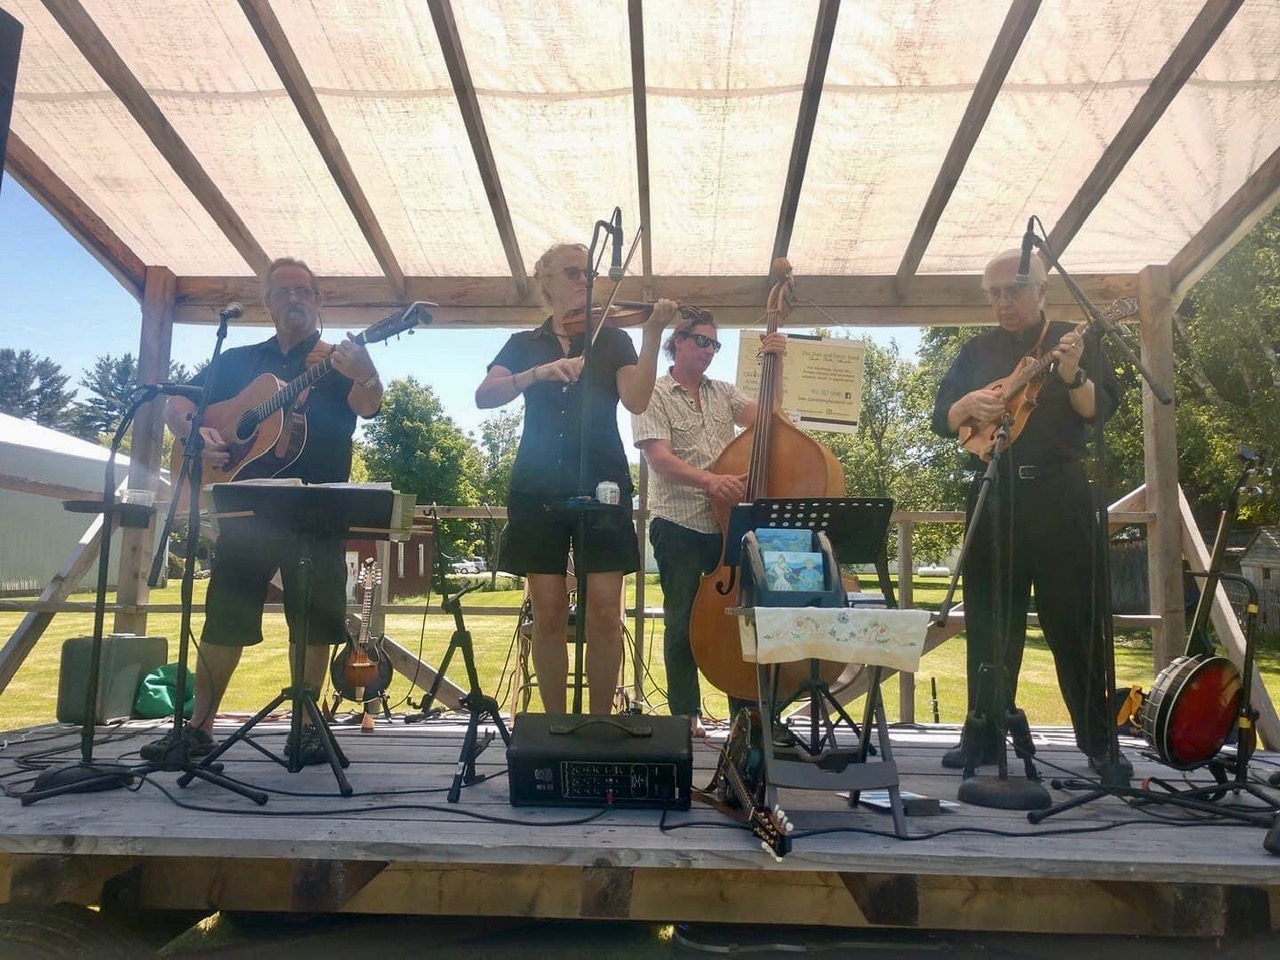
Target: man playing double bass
{"x": 689, "y": 421}
{"x": 1041, "y": 507}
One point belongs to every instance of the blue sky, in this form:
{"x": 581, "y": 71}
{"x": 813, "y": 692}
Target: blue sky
{"x": 60, "y": 303}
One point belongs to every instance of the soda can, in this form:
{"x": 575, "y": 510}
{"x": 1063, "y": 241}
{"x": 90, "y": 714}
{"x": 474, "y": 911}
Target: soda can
{"x": 608, "y": 492}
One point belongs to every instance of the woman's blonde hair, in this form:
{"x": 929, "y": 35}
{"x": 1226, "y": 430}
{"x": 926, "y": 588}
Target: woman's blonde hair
{"x": 542, "y": 271}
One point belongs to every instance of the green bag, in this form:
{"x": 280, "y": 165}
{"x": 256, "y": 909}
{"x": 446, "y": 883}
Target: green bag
{"x": 156, "y": 694}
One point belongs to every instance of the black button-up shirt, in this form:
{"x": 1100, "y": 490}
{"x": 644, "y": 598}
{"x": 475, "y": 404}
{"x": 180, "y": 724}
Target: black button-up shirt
{"x": 1054, "y": 433}
{"x": 547, "y": 462}
{"x": 326, "y": 457}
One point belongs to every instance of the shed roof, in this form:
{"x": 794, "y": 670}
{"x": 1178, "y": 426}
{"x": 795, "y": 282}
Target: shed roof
{"x": 414, "y": 150}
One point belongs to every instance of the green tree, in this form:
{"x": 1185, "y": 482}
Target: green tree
{"x": 415, "y": 447}
{"x": 1227, "y": 341}
{"x": 34, "y": 388}
{"x": 499, "y": 440}
{"x": 111, "y": 383}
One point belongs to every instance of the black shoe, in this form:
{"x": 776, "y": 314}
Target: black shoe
{"x": 199, "y": 744}
{"x": 1098, "y": 759}
{"x": 312, "y": 752}
{"x": 988, "y": 755}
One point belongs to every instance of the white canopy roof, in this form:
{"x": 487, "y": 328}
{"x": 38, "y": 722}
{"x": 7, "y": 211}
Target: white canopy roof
{"x": 428, "y": 150}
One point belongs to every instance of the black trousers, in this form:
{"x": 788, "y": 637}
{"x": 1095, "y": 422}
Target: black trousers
{"x": 1047, "y": 542}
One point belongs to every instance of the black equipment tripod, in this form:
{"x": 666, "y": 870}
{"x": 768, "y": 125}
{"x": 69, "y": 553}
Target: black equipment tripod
{"x": 481, "y": 707}
{"x": 995, "y": 718}
{"x": 305, "y": 516}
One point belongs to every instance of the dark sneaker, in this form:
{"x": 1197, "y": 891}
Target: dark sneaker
{"x": 312, "y": 752}
{"x": 1098, "y": 759}
{"x": 199, "y": 744}
{"x": 988, "y": 755}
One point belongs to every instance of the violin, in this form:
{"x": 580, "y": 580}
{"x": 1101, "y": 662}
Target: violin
{"x": 621, "y": 314}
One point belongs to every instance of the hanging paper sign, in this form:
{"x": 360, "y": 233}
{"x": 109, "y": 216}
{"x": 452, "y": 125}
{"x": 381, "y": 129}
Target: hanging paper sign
{"x": 821, "y": 379}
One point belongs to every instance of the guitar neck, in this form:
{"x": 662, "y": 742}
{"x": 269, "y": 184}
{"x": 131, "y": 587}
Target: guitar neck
{"x": 289, "y": 392}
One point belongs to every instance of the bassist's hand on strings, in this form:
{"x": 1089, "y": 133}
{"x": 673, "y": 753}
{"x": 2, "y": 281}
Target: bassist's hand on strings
{"x": 726, "y": 487}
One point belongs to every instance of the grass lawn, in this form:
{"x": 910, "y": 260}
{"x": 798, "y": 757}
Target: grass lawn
{"x": 31, "y": 697}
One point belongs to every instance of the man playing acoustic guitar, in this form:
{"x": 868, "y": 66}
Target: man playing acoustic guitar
{"x": 243, "y": 567}
{"x": 1041, "y": 507}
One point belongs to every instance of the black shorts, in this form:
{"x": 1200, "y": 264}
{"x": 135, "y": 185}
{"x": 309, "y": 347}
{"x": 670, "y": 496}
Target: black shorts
{"x": 242, "y": 570}
{"x": 537, "y": 539}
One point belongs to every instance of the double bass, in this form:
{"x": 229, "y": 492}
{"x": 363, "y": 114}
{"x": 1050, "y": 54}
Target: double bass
{"x": 779, "y": 460}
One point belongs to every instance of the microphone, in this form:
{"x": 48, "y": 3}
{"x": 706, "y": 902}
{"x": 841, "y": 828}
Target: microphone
{"x": 185, "y": 390}
{"x": 615, "y": 266}
{"x": 232, "y": 311}
{"x": 1024, "y": 262}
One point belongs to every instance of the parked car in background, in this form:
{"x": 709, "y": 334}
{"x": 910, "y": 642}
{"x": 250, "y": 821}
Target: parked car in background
{"x": 463, "y": 566}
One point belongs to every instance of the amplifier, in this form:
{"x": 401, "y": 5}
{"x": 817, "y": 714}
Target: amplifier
{"x": 577, "y": 760}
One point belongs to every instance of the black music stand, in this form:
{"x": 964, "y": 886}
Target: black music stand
{"x": 851, "y": 530}
{"x": 305, "y": 515}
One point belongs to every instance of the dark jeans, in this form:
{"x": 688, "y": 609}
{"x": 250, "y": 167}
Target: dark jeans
{"x": 1046, "y": 532}
{"x": 683, "y": 556}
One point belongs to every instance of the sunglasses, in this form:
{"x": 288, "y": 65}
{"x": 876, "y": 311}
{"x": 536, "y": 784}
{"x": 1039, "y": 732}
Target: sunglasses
{"x": 703, "y": 341}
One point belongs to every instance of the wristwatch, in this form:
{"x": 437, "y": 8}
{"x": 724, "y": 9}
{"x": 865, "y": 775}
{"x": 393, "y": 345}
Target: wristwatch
{"x": 371, "y": 382}
{"x": 1079, "y": 380}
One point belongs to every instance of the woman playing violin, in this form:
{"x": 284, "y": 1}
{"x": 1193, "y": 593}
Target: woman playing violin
{"x": 546, "y": 366}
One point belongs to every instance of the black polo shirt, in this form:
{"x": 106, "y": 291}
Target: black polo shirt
{"x": 1054, "y": 433}
{"x": 326, "y": 457}
{"x": 547, "y": 461}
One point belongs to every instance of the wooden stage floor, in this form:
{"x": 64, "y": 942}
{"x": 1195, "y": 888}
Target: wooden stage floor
{"x": 396, "y": 846}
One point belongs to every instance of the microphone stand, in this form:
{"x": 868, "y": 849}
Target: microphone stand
{"x": 585, "y": 502}
{"x": 177, "y": 757}
{"x": 999, "y": 792}
{"x": 1113, "y": 778}
{"x": 85, "y": 776}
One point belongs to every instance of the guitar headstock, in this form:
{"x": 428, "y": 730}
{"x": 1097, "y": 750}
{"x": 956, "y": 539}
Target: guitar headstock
{"x": 397, "y": 323}
{"x": 773, "y": 830}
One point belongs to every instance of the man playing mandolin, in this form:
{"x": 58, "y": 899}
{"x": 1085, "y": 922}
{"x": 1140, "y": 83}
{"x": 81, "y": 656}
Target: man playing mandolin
{"x": 1041, "y": 506}
{"x": 325, "y": 415}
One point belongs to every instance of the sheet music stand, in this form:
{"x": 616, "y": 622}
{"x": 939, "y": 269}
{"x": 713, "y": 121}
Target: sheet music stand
{"x": 305, "y": 515}
{"x": 854, "y": 530}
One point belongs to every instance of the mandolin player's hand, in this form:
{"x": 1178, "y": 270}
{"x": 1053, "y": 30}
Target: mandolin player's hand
{"x": 984, "y": 406}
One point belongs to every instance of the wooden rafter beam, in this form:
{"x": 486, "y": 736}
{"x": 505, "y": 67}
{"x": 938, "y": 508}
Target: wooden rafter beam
{"x": 74, "y": 214}
{"x": 488, "y": 302}
{"x": 1257, "y": 197}
{"x": 281, "y": 54}
{"x": 464, "y": 89}
{"x": 1008, "y": 42}
{"x": 93, "y": 45}
{"x": 810, "y": 99}
{"x": 640, "y": 100}
{"x": 1172, "y": 76}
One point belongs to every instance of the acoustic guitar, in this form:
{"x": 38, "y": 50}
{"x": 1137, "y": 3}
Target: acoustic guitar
{"x": 264, "y": 430}
{"x": 1020, "y": 389}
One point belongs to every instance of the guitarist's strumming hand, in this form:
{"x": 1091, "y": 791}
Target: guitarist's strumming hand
{"x": 216, "y": 453}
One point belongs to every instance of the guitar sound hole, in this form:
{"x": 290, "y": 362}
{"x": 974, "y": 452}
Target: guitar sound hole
{"x": 245, "y": 428}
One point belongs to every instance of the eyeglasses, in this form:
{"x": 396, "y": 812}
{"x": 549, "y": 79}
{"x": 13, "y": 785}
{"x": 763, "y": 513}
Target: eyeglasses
{"x": 281, "y": 294}
{"x": 573, "y": 274}
{"x": 703, "y": 341}
{"x": 1010, "y": 293}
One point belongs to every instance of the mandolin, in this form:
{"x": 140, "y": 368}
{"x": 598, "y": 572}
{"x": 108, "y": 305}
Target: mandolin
{"x": 1020, "y": 390}
{"x": 360, "y": 670}
{"x": 264, "y": 429}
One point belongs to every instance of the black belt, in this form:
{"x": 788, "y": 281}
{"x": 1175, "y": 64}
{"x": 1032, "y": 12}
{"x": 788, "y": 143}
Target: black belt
{"x": 1031, "y": 471}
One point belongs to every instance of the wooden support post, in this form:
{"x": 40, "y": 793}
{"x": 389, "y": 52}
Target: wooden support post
{"x": 137, "y": 546}
{"x": 642, "y": 535}
{"x": 906, "y": 566}
{"x": 1160, "y": 449}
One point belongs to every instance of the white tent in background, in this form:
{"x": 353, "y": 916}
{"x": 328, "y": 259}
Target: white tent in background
{"x": 38, "y": 532}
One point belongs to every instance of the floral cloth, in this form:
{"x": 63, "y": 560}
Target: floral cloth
{"x": 883, "y": 638}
